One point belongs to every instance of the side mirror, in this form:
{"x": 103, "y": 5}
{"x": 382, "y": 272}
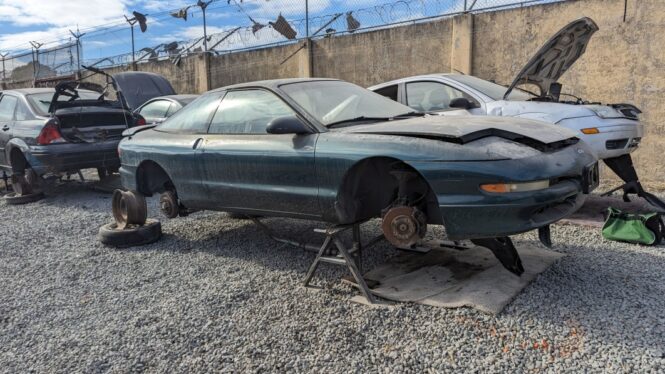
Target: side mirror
{"x": 462, "y": 103}
{"x": 287, "y": 125}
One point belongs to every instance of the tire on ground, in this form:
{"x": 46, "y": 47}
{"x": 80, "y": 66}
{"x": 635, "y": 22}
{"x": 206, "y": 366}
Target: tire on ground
{"x": 13, "y": 198}
{"x": 131, "y": 236}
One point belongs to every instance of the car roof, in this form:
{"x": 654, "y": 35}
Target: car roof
{"x": 29, "y": 91}
{"x": 272, "y": 83}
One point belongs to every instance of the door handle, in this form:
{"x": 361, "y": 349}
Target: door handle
{"x": 5, "y": 128}
{"x": 197, "y": 142}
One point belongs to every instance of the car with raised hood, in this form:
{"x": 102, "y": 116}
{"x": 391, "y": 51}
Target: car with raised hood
{"x": 70, "y": 127}
{"x": 328, "y": 150}
{"x": 160, "y": 108}
{"x": 613, "y": 131}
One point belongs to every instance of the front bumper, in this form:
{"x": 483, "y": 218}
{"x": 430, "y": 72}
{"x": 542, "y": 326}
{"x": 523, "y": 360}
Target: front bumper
{"x": 523, "y": 212}
{"x": 57, "y": 158}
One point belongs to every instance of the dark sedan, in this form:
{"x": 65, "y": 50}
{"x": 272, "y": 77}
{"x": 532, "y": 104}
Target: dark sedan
{"x": 160, "y": 108}
{"x": 332, "y": 151}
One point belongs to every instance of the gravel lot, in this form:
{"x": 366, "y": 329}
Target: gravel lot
{"x": 217, "y": 294}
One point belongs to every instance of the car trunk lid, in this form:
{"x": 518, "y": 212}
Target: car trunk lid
{"x": 556, "y": 56}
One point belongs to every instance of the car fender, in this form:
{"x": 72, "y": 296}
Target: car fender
{"x": 21, "y": 145}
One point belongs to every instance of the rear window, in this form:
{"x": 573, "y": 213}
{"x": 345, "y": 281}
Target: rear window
{"x": 41, "y": 101}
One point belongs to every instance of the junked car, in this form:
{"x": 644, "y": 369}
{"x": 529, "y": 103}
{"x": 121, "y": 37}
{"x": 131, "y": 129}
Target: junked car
{"x": 160, "y": 108}
{"x": 613, "y": 131}
{"x": 328, "y": 150}
{"x": 68, "y": 128}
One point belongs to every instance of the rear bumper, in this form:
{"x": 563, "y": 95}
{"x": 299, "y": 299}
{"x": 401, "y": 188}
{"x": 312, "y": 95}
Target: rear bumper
{"x": 57, "y": 158}
{"x": 523, "y": 212}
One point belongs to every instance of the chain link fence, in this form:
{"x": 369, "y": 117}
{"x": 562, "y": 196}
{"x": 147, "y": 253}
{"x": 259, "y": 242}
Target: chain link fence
{"x": 257, "y": 24}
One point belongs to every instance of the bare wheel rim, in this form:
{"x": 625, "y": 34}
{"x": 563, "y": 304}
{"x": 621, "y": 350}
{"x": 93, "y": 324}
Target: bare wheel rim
{"x": 129, "y": 208}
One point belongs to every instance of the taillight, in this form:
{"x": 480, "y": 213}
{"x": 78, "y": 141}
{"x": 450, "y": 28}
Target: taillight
{"x": 140, "y": 121}
{"x": 50, "y": 133}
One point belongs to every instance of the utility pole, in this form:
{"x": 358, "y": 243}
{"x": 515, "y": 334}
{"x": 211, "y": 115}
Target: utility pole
{"x": 204, "y": 5}
{"x": 307, "y": 20}
{"x": 78, "y": 35}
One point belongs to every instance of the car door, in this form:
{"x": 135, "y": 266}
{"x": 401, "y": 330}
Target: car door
{"x": 431, "y": 96}
{"x": 249, "y": 169}
{"x": 180, "y": 141}
{"x": 155, "y": 111}
{"x": 7, "y": 108}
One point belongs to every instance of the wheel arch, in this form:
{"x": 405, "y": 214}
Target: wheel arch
{"x": 358, "y": 197}
{"x": 152, "y": 178}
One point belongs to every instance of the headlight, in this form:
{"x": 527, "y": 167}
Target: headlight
{"x": 515, "y": 187}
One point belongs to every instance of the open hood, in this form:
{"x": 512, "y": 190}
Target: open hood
{"x": 556, "y": 56}
{"x": 137, "y": 87}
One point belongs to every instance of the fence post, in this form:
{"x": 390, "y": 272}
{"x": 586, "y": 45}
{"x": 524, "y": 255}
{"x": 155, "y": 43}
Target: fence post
{"x": 461, "y": 57}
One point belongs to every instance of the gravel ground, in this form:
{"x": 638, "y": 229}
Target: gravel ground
{"x": 215, "y": 294}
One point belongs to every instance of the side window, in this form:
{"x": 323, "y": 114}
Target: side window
{"x": 156, "y": 109}
{"x": 195, "y": 117}
{"x": 432, "y": 96}
{"x": 22, "y": 112}
{"x": 248, "y": 112}
{"x": 389, "y": 92}
{"x": 7, "y": 106}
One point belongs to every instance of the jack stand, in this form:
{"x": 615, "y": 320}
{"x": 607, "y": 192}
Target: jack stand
{"x": 5, "y": 178}
{"x": 623, "y": 167}
{"x": 344, "y": 258}
{"x": 349, "y": 257}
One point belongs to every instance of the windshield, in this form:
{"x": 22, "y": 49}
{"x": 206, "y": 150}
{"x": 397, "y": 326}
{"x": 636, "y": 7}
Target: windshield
{"x": 493, "y": 90}
{"x": 41, "y": 101}
{"x": 337, "y": 101}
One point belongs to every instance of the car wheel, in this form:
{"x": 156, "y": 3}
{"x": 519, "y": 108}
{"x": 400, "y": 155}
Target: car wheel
{"x": 130, "y": 236}
{"x": 168, "y": 204}
{"x": 13, "y": 198}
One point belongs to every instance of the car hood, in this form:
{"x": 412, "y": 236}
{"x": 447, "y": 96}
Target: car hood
{"x": 464, "y": 129}
{"x": 554, "y": 112}
{"x": 557, "y": 55}
{"x": 137, "y": 87}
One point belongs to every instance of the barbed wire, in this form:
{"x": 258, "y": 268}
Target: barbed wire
{"x": 260, "y": 24}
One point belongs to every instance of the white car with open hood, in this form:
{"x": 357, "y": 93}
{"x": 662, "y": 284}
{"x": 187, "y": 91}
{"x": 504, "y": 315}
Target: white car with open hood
{"x": 613, "y": 131}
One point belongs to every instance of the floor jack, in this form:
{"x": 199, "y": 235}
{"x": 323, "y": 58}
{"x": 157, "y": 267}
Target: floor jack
{"x": 623, "y": 167}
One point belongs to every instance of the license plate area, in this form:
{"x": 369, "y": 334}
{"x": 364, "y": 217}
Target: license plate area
{"x": 590, "y": 178}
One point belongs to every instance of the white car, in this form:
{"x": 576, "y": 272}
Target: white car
{"x": 613, "y": 131}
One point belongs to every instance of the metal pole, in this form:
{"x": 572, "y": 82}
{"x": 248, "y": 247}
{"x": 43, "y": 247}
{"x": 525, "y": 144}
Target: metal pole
{"x": 4, "y": 56}
{"x": 307, "y": 19}
{"x": 133, "y": 53}
{"x": 205, "y": 30}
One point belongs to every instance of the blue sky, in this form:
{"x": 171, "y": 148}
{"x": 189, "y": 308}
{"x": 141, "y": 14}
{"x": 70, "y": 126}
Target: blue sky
{"x": 48, "y": 21}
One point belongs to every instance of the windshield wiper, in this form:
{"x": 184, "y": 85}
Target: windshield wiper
{"x": 358, "y": 119}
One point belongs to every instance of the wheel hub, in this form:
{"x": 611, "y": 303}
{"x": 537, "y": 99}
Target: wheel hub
{"x": 404, "y": 226}
{"x": 168, "y": 203}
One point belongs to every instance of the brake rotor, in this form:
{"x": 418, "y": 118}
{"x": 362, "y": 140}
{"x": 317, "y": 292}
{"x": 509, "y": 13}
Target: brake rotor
{"x": 404, "y": 226}
{"x": 168, "y": 203}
